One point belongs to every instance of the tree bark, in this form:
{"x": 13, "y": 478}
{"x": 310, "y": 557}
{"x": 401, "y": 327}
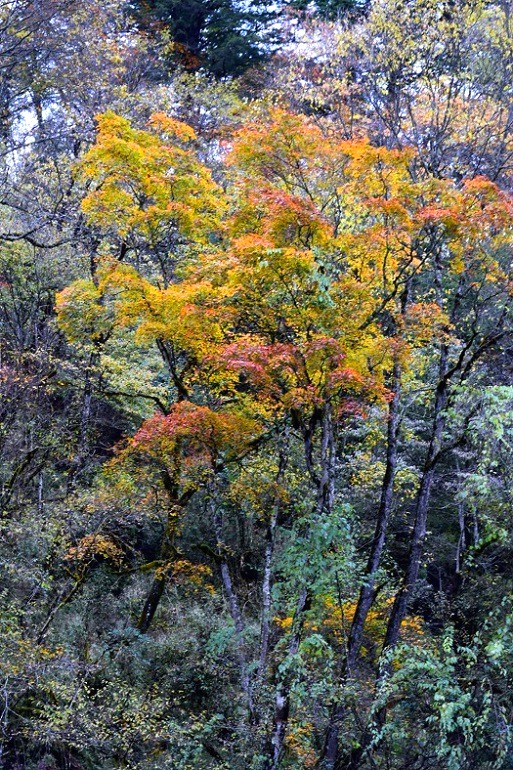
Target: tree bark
{"x": 282, "y": 698}
{"x": 325, "y": 482}
{"x": 421, "y": 511}
{"x": 329, "y": 756}
{"x": 403, "y": 597}
{"x": 266, "y": 581}
{"x": 176, "y": 504}
{"x": 235, "y": 610}
{"x": 152, "y": 602}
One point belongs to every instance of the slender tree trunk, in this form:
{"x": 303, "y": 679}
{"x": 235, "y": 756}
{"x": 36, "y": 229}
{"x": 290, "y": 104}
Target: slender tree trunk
{"x": 152, "y": 602}
{"x": 421, "y": 511}
{"x": 403, "y": 597}
{"x": 367, "y": 593}
{"x": 462, "y": 544}
{"x": 40, "y": 494}
{"x": 65, "y": 597}
{"x": 266, "y": 581}
{"x": 330, "y": 752}
{"x": 325, "y": 482}
{"x": 266, "y": 594}
{"x": 266, "y": 591}
{"x": 282, "y": 698}
{"x": 235, "y": 611}
{"x": 176, "y": 505}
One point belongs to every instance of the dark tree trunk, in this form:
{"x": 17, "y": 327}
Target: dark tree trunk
{"x": 418, "y": 537}
{"x": 151, "y": 604}
{"x": 176, "y": 504}
{"x": 330, "y": 752}
{"x": 421, "y": 511}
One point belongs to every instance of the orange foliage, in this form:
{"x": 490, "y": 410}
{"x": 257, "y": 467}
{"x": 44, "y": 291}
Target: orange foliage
{"x": 293, "y": 295}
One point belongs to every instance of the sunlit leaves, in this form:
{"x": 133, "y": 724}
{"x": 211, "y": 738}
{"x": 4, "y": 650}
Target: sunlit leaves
{"x": 147, "y": 185}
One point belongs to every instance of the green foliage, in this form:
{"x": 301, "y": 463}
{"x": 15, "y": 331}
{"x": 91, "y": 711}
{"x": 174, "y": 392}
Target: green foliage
{"x": 453, "y": 694}
{"x": 256, "y": 433}
{"x": 225, "y": 37}
{"x": 334, "y": 10}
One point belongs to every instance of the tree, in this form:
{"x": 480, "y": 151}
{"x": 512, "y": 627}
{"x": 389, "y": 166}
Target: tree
{"x": 256, "y": 459}
{"x": 422, "y": 75}
{"x": 334, "y": 10}
{"x": 225, "y": 36}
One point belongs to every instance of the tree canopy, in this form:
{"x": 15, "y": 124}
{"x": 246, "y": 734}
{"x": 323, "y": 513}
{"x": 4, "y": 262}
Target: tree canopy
{"x": 256, "y": 433}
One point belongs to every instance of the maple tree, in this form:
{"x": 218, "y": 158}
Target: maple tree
{"x": 255, "y": 355}
{"x": 328, "y": 282}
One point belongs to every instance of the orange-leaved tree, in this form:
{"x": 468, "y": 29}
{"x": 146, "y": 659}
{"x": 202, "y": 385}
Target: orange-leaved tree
{"x": 281, "y": 307}
{"x": 258, "y": 329}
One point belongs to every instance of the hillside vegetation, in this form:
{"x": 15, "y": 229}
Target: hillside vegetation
{"x": 256, "y": 385}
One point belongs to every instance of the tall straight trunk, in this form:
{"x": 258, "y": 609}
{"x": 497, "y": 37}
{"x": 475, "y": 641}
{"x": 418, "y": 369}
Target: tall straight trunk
{"x": 367, "y": 592}
{"x": 266, "y": 580}
{"x": 366, "y": 598}
{"x": 435, "y": 445}
{"x": 266, "y": 593}
{"x": 235, "y": 611}
{"x": 325, "y": 483}
{"x": 461, "y": 544}
{"x": 445, "y": 374}
{"x": 421, "y": 510}
{"x": 404, "y": 595}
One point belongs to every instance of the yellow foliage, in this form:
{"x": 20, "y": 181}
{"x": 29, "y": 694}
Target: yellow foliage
{"x": 92, "y": 546}
{"x": 146, "y": 184}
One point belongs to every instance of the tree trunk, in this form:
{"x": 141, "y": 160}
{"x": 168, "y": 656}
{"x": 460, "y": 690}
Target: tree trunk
{"x": 403, "y": 597}
{"x": 282, "y": 699}
{"x": 235, "y": 611}
{"x": 266, "y": 594}
{"x": 266, "y": 581}
{"x": 421, "y": 510}
{"x": 176, "y": 504}
{"x": 324, "y": 503}
{"x": 330, "y": 752}
{"x": 152, "y": 602}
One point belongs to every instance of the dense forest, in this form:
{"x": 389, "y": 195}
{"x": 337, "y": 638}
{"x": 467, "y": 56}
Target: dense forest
{"x": 256, "y": 385}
